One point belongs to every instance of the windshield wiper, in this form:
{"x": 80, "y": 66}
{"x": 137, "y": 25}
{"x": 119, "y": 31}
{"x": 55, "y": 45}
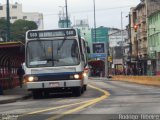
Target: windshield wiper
{"x": 51, "y": 59}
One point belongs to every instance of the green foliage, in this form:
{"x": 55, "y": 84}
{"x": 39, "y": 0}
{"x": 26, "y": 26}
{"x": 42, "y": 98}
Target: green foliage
{"x": 18, "y": 29}
{"x": 3, "y": 27}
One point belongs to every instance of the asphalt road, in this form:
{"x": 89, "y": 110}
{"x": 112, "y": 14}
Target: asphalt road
{"x": 126, "y": 102}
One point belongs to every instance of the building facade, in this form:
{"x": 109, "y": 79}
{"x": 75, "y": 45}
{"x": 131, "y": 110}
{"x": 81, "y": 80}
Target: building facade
{"x": 16, "y": 13}
{"x": 101, "y": 34}
{"x": 154, "y": 43}
{"x": 64, "y": 21}
{"x": 144, "y": 39}
{"x": 85, "y": 30}
{"x": 132, "y": 35}
{"x": 118, "y": 49}
{"x": 141, "y": 22}
{"x": 117, "y": 37}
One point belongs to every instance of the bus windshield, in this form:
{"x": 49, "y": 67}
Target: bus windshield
{"x": 52, "y": 53}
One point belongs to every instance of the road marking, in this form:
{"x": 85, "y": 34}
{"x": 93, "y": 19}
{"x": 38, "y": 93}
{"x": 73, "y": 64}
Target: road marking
{"x": 85, "y": 104}
{"x": 54, "y": 108}
{"x": 89, "y": 103}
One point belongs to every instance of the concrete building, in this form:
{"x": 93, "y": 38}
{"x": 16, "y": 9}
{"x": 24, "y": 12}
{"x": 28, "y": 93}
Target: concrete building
{"x": 85, "y": 30}
{"x": 142, "y": 33}
{"x": 133, "y": 39}
{"x": 101, "y": 34}
{"x": 138, "y": 38}
{"x": 154, "y": 43}
{"x": 118, "y": 49}
{"x": 116, "y": 37}
{"x": 64, "y": 22}
{"x": 152, "y": 6}
{"x": 17, "y": 13}
{"x": 153, "y": 14}
{"x": 141, "y": 49}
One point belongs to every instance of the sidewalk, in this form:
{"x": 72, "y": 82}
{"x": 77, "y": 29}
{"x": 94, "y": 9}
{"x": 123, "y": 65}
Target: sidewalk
{"x": 12, "y": 95}
{"x": 98, "y": 78}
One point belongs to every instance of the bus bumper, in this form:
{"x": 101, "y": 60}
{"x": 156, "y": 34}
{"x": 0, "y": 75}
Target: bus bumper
{"x": 54, "y": 84}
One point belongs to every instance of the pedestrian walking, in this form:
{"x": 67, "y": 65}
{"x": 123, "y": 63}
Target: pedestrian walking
{"x": 20, "y": 73}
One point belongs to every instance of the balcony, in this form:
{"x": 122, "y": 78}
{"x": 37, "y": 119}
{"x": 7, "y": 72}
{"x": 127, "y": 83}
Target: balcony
{"x": 143, "y": 34}
{"x": 144, "y": 51}
{"x": 144, "y": 46}
{"x": 138, "y": 36}
{"x": 143, "y": 19}
{"x": 138, "y": 20}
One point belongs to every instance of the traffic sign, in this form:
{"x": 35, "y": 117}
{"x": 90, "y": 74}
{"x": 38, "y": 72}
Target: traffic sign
{"x": 96, "y": 55}
{"x": 109, "y": 58}
{"x": 98, "y": 47}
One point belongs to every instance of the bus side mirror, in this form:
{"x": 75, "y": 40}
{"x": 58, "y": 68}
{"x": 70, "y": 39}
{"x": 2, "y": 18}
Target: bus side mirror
{"x": 88, "y": 50}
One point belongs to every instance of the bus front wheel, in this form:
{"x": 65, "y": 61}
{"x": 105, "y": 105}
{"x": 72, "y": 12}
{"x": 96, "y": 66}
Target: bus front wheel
{"x": 36, "y": 94}
{"x": 77, "y": 91}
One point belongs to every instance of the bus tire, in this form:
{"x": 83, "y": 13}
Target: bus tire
{"x": 36, "y": 94}
{"x": 46, "y": 94}
{"x": 77, "y": 91}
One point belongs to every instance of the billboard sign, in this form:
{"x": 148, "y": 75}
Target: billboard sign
{"x": 98, "y": 47}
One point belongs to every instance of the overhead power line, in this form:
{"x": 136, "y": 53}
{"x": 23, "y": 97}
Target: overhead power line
{"x": 97, "y": 10}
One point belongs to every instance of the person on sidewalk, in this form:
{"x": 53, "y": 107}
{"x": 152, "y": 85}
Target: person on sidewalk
{"x": 20, "y": 73}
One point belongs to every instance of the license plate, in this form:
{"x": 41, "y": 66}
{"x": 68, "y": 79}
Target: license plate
{"x": 54, "y": 84}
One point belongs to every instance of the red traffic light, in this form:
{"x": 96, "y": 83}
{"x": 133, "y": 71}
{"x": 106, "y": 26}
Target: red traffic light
{"x": 135, "y": 28}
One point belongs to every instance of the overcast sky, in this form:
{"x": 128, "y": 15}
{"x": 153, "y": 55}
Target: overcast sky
{"x": 108, "y": 12}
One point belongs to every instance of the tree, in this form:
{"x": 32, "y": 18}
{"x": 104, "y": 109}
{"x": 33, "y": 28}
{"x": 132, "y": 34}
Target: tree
{"x": 3, "y": 27}
{"x": 19, "y": 28}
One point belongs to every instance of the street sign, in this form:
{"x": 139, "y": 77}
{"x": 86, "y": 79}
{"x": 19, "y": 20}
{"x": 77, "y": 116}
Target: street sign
{"x": 98, "y": 47}
{"x": 149, "y": 62}
{"x": 96, "y": 55}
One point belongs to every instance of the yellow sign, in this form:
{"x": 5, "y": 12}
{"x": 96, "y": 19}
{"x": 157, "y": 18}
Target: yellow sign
{"x": 109, "y": 58}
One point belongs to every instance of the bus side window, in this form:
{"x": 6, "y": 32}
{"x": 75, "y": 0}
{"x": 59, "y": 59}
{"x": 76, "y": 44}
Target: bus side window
{"x": 88, "y": 49}
{"x": 85, "y": 52}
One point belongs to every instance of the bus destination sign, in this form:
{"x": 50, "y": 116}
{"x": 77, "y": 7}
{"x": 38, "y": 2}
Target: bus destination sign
{"x": 51, "y": 33}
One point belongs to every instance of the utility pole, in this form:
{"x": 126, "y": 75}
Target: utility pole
{"x": 106, "y": 60}
{"x": 66, "y": 12}
{"x": 8, "y": 22}
{"x": 94, "y": 6}
{"x": 123, "y": 41}
{"x": 130, "y": 45}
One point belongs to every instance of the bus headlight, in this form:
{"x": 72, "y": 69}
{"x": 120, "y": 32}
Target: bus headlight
{"x": 79, "y": 76}
{"x": 31, "y": 79}
{"x": 76, "y": 76}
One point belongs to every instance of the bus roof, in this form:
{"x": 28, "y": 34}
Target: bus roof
{"x": 67, "y": 32}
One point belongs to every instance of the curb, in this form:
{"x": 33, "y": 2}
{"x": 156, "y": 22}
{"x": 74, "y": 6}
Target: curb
{"x": 100, "y": 78}
{"x": 15, "y": 99}
{"x": 142, "y": 80}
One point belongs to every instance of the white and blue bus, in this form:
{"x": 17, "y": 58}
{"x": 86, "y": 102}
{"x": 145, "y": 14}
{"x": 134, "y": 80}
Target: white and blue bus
{"x": 56, "y": 61}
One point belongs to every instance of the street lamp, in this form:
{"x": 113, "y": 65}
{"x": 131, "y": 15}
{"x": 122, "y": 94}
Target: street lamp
{"x": 8, "y": 22}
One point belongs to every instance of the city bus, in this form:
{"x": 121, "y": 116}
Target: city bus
{"x": 56, "y": 61}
